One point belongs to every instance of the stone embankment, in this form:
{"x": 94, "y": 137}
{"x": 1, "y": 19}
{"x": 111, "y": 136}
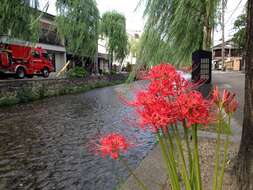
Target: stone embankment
{"x": 21, "y": 91}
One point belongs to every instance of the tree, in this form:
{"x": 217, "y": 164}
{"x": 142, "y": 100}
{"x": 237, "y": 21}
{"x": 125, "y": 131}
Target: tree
{"x": 180, "y": 27}
{"x": 113, "y": 27}
{"x": 134, "y": 46}
{"x": 18, "y": 19}
{"x": 245, "y": 155}
{"x": 240, "y": 36}
{"x": 77, "y": 22}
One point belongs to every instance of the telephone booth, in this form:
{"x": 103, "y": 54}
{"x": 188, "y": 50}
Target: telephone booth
{"x": 202, "y": 66}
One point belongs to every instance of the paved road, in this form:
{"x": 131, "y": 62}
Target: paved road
{"x": 233, "y": 81}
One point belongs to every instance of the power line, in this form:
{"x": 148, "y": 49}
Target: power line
{"x": 233, "y": 12}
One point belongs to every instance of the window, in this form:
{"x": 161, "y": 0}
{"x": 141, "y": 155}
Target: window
{"x": 36, "y": 54}
{"x": 46, "y": 56}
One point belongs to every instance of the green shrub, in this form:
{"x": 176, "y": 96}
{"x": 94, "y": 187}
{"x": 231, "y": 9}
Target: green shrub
{"x": 77, "y": 72}
{"x": 113, "y": 72}
{"x": 8, "y": 101}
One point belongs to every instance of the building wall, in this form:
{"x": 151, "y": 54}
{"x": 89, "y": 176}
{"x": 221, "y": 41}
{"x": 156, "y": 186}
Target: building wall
{"x": 233, "y": 64}
{"x": 50, "y": 41}
{"x": 60, "y": 61}
{"x": 103, "y": 65}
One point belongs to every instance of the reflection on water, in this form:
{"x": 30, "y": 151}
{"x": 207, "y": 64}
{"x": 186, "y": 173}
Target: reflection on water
{"x": 46, "y": 144}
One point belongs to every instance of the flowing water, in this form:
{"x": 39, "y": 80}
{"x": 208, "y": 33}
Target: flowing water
{"x": 48, "y": 144}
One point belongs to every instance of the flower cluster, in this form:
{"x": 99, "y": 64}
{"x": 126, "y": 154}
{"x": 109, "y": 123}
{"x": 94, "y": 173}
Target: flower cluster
{"x": 166, "y": 81}
{"x": 112, "y": 145}
{"x": 168, "y": 99}
{"x": 194, "y": 108}
{"x": 155, "y": 111}
{"x": 227, "y": 101}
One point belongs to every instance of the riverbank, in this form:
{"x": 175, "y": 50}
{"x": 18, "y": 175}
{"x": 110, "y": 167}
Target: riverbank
{"x": 23, "y": 91}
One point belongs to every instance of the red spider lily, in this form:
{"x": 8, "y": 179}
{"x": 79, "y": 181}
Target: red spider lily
{"x": 166, "y": 81}
{"x": 112, "y": 145}
{"x": 194, "y": 108}
{"x": 158, "y": 107}
{"x": 169, "y": 98}
{"x": 216, "y": 95}
{"x": 226, "y": 97}
{"x": 161, "y": 71}
{"x": 155, "y": 111}
{"x": 228, "y": 100}
{"x": 231, "y": 105}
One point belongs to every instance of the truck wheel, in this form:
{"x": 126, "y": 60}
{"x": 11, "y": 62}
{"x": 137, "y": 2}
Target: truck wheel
{"x": 45, "y": 73}
{"x": 20, "y": 73}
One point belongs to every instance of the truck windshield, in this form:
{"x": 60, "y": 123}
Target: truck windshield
{"x": 46, "y": 56}
{"x": 36, "y": 54}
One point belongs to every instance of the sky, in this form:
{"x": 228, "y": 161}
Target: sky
{"x": 135, "y": 21}
{"x": 233, "y": 10}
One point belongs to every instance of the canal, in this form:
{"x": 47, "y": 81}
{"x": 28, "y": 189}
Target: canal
{"x": 48, "y": 144}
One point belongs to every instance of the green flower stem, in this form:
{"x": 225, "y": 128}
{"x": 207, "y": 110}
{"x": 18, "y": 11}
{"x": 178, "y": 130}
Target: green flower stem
{"x": 170, "y": 148}
{"x": 183, "y": 167}
{"x": 189, "y": 151}
{"x": 140, "y": 183}
{"x": 170, "y": 164}
{"x": 169, "y": 140}
{"x": 171, "y": 152}
{"x": 220, "y": 183}
{"x": 198, "y": 185}
{"x": 217, "y": 152}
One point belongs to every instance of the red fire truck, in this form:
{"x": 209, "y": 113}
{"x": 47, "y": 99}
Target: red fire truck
{"x": 24, "y": 60}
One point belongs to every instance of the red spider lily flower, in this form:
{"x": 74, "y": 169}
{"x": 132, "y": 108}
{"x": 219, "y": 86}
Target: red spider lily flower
{"x": 157, "y": 107}
{"x": 194, "y": 108}
{"x": 216, "y": 95}
{"x": 161, "y": 71}
{"x": 231, "y": 105}
{"x": 166, "y": 81}
{"x": 228, "y": 101}
{"x": 112, "y": 145}
{"x": 226, "y": 97}
{"x": 155, "y": 112}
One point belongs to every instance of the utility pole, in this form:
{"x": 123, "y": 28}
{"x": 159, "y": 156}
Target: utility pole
{"x": 223, "y": 35}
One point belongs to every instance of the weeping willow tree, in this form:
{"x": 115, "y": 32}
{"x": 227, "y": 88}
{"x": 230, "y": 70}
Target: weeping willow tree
{"x": 77, "y": 23}
{"x": 176, "y": 28}
{"x": 18, "y": 19}
{"x": 113, "y": 28}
